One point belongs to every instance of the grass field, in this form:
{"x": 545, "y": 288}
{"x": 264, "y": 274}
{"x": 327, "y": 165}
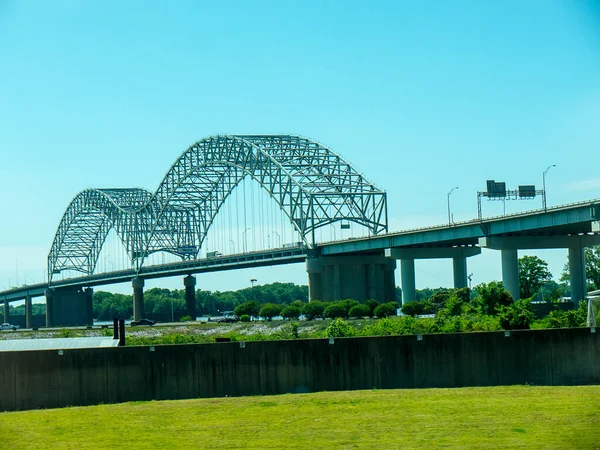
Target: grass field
{"x": 497, "y": 417}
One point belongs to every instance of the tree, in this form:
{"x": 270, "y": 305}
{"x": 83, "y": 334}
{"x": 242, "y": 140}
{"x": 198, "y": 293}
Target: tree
{"x": 291, "y": 312}
{"x": 314, "y": 310}
{"x": 360, "y": 311}
{"x": 348, "y": 305}
{"x": 298, "y": 304}
{"x": 336, "y": 310}
{"x": 386, "y": 310}
{"x": 533, "y": 274}
{"x": 372, "y": 304}
{"x": 269, "y": 310}
{"x": 592, "y": 268}
{"x": 489, "y": 297}
{"x": 250, "y": 308}
{"x": 414, "y": 308}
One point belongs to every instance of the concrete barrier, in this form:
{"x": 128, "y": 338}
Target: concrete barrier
{"x": 47, "y": 379}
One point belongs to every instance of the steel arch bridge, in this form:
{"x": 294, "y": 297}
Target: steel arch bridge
{"x": 312, "y": 185}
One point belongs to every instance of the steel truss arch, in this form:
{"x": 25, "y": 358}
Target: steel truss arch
{"x": 312, "y": 185}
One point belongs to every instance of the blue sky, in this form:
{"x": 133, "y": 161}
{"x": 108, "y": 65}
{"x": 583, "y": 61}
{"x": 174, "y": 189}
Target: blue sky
{"x": 421, "y": 96}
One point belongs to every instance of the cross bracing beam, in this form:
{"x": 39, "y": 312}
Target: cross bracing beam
{"x": 312, "y": 185}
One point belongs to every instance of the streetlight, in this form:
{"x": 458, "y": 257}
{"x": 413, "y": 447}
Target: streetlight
{"x": 278, "y": 235}
{"x": 232, "y": 244}
{"x": 544, "y": 185}
{"x": 32, "y": 280}
{"x": 449, "y": 216}
{"x": 253, "y": 280}
{"x": 244, "y": 238}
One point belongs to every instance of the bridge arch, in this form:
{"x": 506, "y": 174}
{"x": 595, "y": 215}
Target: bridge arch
{"x": 312, "y": 185}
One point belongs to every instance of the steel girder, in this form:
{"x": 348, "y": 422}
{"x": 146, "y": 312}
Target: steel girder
{"x": 313, "y": 186}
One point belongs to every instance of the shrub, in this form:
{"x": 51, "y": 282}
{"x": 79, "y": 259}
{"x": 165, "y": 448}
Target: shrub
{"x": 269, "y": 310}
{"x": 339, "y": 328}
{"x": 335, "y": 310}
{"x": 291, "y": 312}
{"x": 293, "y": 330}
{"x": 360, "y": 311}
{"x": 386, "y": 309}
{"x": 314, "y": 309}
{"x": 245, "y": 318}
{"x": 454, "y": 304}
{"x": 517, "y": 316}
{"x": 186, "y": 319}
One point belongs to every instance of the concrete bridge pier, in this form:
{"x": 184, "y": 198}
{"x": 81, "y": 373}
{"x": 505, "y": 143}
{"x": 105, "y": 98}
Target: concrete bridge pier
{"x": 28, "y": 312}
{"x": 89, "y": 306}
{"x": 407, "y": 280}
{"x": 459, "y": 268}
{"x": 68, "y": 306}
{"x": 509, "y": 246}
{"x": 577, "y": 275}
{"x": 49, "y": 293}
{"x": 190, "y": 295}
{"x": 6, "y": 311}
{"x": 407, "y": 258}
{"x": 351, "y": 277}
{"x": 138, "y": 298}
{"x": 510, "y": 272}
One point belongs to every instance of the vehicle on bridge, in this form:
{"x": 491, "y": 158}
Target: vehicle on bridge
{"x": 213, "y": 254}
{"x": 8, "y": 326}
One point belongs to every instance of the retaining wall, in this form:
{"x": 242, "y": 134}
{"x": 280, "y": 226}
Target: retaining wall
{"x": 46, "y": 379}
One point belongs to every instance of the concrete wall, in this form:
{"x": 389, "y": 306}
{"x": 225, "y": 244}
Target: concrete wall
{"x": 45, "y": 379}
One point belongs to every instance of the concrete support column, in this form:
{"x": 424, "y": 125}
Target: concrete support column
{"x": 190, "y": 295}
{"x": 28, "y": 313}
{"x": 510, "y": 272}
{"x": 577, "y": 274}
{"x": 138, "y": 298}
{"x": 314, "y": 269}
{"x": 337, "y": 287}
{"x": 371, "y": 282}
{"x": 49, "y": 293}
{"x": 6, "y": 311}
{"x": 459, "y": 265}
{"x": 89, "y": 306}
{"x": 389, "y": 281}
{"x": 407, "y": 270}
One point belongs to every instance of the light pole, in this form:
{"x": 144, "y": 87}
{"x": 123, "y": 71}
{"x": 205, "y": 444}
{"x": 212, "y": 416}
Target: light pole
{"x": 32, "y": 280}
{"x": 253, "y": 280}
{"x": 278, "y": 236}
{"x": 544, "y": 185}
{"x": 232, "y": 244}
{"x": 449, "y": 216}
{"x": 244, "y": 238}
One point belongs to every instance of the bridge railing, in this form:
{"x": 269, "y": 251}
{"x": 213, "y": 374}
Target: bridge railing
{"x": 529, "y": 212}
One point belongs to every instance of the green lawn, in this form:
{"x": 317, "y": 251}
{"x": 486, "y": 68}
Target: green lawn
{"x": 497, "y": 417}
